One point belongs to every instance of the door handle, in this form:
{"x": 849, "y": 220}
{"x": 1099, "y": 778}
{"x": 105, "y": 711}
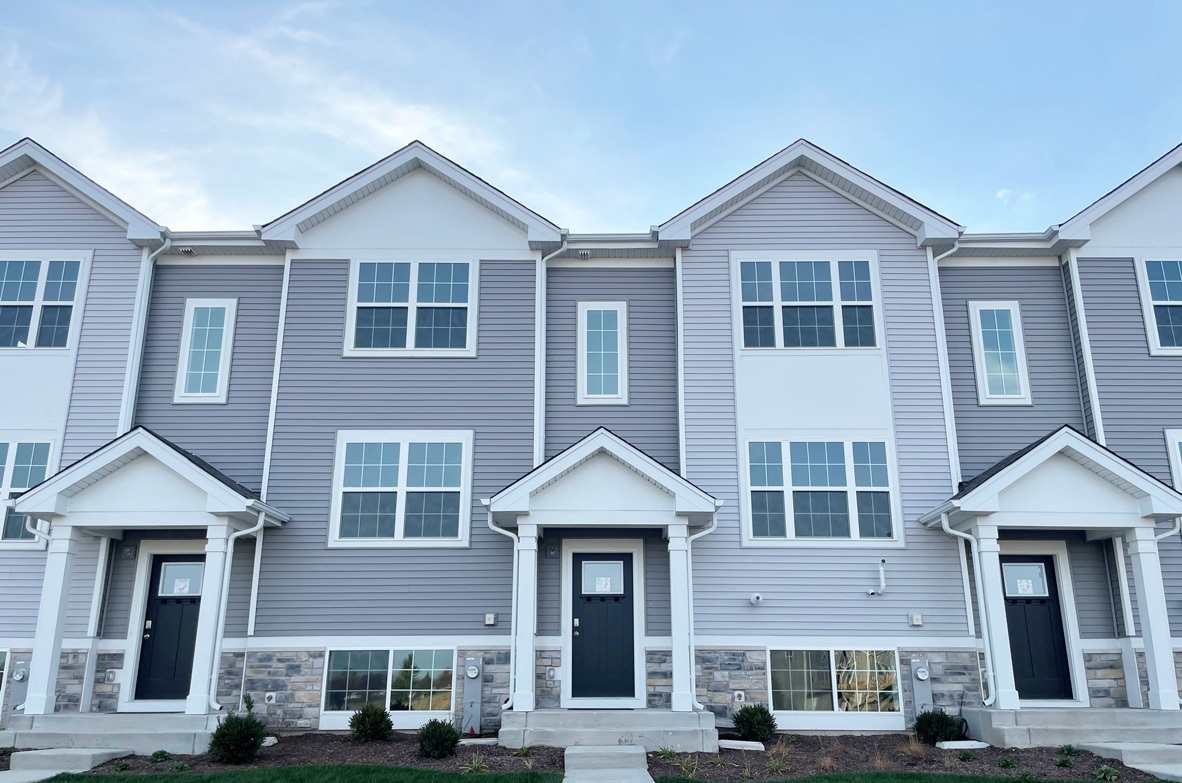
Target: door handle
{"x": 576, "y": 633}
{"x": 147, "y": 636}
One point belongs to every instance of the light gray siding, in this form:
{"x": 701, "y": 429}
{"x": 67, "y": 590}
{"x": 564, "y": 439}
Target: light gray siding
{"x": 987, "y": 433}
{"x": 232, "y": 437}
{"x": 1085, "y": 398}
{"x": 649, "y": 421}
{"x": 116, "y": 608}
{"x": 798, "y": 214}
{"x": 309, "y": 589}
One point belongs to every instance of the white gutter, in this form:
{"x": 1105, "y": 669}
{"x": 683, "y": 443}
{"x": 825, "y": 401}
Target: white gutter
{"x": 689, "y": 557}
{"x": 540, "y": 363}
{"x": 220, "y": 634}
{"x": 1177, "y": 526}
{"x": 942, "y": 359}
{"x": 513, "y": 606}
{"x": 131, "y": 377}
{"x": 987, "y": 675}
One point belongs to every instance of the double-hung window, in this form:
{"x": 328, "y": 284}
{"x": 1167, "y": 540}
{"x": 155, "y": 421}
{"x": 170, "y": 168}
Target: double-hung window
{"x": 402, "y": 488}
{"x": 207, "y": 342}
{"x": 22, "y": 465}
{"x": 1161, "y": 294}
{"x": 865, "y": 681}
{"x": 37, "y": 302}
{"x": 999, "y": 353}
{"x": 422, "y": 308}
{"x": 414, "y": 685}
{"x": 817, "y": 490}
{"x": 808, "y": 303}
{"x": 603, "y": 353}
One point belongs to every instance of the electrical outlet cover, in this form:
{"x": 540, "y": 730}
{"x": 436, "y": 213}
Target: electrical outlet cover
{"x": 269, "y": 698}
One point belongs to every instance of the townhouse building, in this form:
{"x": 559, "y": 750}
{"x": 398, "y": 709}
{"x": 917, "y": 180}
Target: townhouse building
{"x": 808, "y": 443}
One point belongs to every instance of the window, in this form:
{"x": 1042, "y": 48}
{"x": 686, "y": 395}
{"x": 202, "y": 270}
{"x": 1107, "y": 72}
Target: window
{"x": 422, "y": 680}
{"x": 207, "y": 342}
{"x": 402, "y": 488}
{"x": 22, "y": 465}
{"x": 402, "y": 681}
{"x": 356, "y": 678}
{"x": 809, "y": 303}
{"x": 603, "y": 353}
{"x": 1174, "y": 452}
{"x": 999, "y": 354}
{"x": 834, "y": 680}
{"x": 180, "y": 579}
{"x": 411, "y": 307}
{"x": 830, "y": 490}
{"x": 37, "y": 299}
{"x": 1161, "y": 297}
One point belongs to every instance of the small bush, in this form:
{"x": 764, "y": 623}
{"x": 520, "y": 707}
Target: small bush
{"x": 179, "y": 766}
{"x": 237, "y": 738}
{"x": 1028, "y": 776}
{"x": 1066, "y": 762}
{"x": 525, "y": 751}
{"x": 120, "y": 765}
{"x": 755, "y": 723}
{"x": 1107, "y": 773}
{"x": 777, "y": 766}
{"x": 1069, "y": 750}
{"x": 475, "y": 766}
{"x": 371, "y": 723}
{"x": 688, "y": 766}
{"x": 912, "y": 747}
{"x": 159, "y": 756}
{"x": 966, "y": 756}
{"x": 1005, "y": 762}
{"x": 438, "y": 739}
{"x": 666, "y": 753}
{"x": 932, "y": 726}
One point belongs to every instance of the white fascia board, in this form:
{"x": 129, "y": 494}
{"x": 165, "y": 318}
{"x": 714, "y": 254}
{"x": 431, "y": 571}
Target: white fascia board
{"x": 1079, "y": 227}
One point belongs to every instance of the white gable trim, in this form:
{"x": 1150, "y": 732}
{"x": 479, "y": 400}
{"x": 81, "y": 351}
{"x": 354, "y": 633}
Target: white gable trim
{"x": 1080, "y": 226}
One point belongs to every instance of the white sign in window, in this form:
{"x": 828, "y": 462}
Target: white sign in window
{"x": 603, "y": 577}
{"x": 178, "y": 580}
{"x": 1025, "y": 580}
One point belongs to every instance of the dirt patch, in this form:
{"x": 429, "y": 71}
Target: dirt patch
{"x": 321, "y": 749}
{"x": 5, "y": 758}
{"x": 802, "y": 755}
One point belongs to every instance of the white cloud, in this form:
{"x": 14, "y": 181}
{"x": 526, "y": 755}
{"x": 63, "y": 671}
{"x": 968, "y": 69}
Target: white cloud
{"x": 1003, "y": 193}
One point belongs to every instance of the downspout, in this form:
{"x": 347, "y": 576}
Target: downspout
{"x": 1177, "y": 526}
{"x": 512, "y": 609}
{"x": 219, "y": 636}
{"x": 540, "y": 358}
{"x": 689, "y": 558}
{"x": 135, "y": 359}
{"x": 981, "y": 618}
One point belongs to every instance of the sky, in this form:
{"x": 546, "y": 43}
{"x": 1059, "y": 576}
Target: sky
{"x": 602, "y": 116}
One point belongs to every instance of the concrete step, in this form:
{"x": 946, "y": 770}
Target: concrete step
{"x": 1098, "y": 718}
{"x": 683, "y": 741}
{"x": 608, "y": 719}
{"x": 647, "y": 729}
{"x": 1137, "y": 754}
{"x": 1164, "y": 771}
{"x": 113, "y": 721}
{"x": 604, "y": 757}
{"x": 64, "y": 759}
{"x": 141, "y": 743}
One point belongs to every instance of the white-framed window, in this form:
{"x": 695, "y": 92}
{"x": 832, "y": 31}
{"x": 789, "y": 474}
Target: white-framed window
{"x": 603, "y": 353}
{"x": 40, "y": 297}
{"x": 834, "y": 680}
{"x": 23, "y": 464}
{"x": 999, "y": 353}
{"x": 401, "y": 488}
{"x": 412, "y": 308}
{"x": 415, "y": 685}
{"x": 1174, "y": 451}
{"x": 1160, "y": 281}
{"x": 808, "y": 300}
{"x": 207, "y": 344}
{"x": 821, "y": 491}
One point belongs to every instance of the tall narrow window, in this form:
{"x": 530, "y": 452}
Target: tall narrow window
{"x": 37, "y": 302}
{"x": 22, "y": 465}
{"x": 411, "y": 308}
{"x": 1165, "y": 293}
{"x": 603, "y": 353}
{"x": 207, "y": 342}
{"x": 999, "y": 354}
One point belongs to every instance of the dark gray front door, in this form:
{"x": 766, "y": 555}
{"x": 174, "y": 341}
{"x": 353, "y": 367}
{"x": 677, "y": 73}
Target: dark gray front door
{"x": 602, "y": 639}
{"x": 1035, "y": 621}
{"x": 170, "y": 627}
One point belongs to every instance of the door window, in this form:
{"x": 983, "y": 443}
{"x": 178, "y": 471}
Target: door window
{"x": 1025, "y": 580}
{"x": 603, "y": 577}
{"x": 180, "y": 579}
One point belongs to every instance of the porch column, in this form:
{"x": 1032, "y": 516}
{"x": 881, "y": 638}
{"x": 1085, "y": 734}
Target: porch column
{"x": 527, "y": 611}
{"x": 51, "y": 619}
{"x": 679, "y": 606}
{"x": 1155, "y": 622}
{"x": 995, "y": 616}
{"x": 204, "y": 666}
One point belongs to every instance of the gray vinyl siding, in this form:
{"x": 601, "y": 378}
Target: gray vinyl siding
{"x": 924, "y": 576}
{"x": 308, "y": 589}
{"x": 232, "y": 437}
{"x": 649, "y": 421}
{"x": 1085, "y": 398}
{"x": 238, "y": 599}
{"x": 987, "y": 433}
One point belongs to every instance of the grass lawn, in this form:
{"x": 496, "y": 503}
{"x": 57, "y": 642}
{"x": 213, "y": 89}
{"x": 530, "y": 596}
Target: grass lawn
{"x": 338, "y": 774}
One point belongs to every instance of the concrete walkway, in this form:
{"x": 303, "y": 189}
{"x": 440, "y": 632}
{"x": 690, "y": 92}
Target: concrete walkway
{"x": 30, "y": 766}
{"x": 606, "y": 764}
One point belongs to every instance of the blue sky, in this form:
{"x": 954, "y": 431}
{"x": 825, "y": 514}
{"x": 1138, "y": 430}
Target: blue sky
{"x": 603, "y": 116}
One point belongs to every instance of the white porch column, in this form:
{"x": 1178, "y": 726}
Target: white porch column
{"x": 995, "y": 615}
{"x": 1155, "y": 622}
{"x": 679, "y": 606}
{"x": 527, "y": 611}
{"x": 217, "y": 539}
{"x": 51, "y": 619}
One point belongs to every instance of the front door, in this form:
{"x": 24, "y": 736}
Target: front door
{"x": 170, "y": 627}
{"x": 1035, "y": 620}
{"x": 602, "y": 641}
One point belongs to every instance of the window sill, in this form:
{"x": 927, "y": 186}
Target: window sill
{"x": 1014, "y": 402}
{"x": 409, "y": 353}
{"x": 193, "y": 400}
{"x": 387, "y": 543}
{"x": 30, "y": 545}
{"x": 823, "y": 543}
{"x": 35, "y": 349}
{"x": 593, "y": 402}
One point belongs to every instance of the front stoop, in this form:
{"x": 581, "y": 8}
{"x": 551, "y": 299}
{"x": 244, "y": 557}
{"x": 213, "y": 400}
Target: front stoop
{"x": 138, "y": 733}
{"x": 64, "y": 759}
{"x": 1161, "y": 761}
{"x": 606, "y": 764}
{"x": 685, "y": 732}
{"x": 1032, "y": 728}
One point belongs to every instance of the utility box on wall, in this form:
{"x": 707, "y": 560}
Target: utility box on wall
{"x": 473, "y": 673}
{"x": 18, "y": 678}
{"x": 921, "y": 684}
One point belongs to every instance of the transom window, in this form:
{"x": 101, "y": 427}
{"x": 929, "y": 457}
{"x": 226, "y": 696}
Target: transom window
{"x": 834, "y": 680}
{"x": 207, "y": 344}
{"x": 807, "y": 304}
{"x": 37, "y": 302}
{"x": 396, "y": 680}
{"x": 22, "y": 465}
{"x": 831, "y": 490}
{"x": 603, "y": 353}
{"x": 416, "y": 307}
{"x": 1165, "y": 293}
{"x": 396, "y": 488}
{"x": 999, "y": 353}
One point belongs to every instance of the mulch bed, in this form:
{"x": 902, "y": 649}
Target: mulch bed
{"x": 5, "y": 758}
{"x": 807, "y": 755}
{"x": 321, "y": 749}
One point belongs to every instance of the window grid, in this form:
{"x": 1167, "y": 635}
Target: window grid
{"x": 411, "y": 306}
{"x": 206, "y": 336}
{"x": 602, "y": 346}
{"x": 999, "y": 355}
{"x": 396, "y": 680}
{"x": 795, "y": 304}
{"x": 22, "y": 465}
{"x": 834, "y": 680}
{"x": 36, "y": 302}
{"x": 421, "y": 680}
{"x": 356, "y": 678}
{"x": 1165, "y": 292}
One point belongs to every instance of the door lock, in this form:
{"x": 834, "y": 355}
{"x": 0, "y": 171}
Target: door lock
{"x": 576, "y": 633}
{"x": 147, "y": 636}
{"x": 576, "y": 622}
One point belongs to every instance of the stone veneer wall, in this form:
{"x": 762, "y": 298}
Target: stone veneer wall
{"x": 723, "y": 672}
{"x": 494, "y": 688}
{"x": 230, "y": 682}
{"x": 658, "y": 679}
{"x": 955, "y": 680}
{"x": 295, "y": 677}
{"x": 1106, "y": 679}
{"x": 106, "y": 694}
{"x": 71, "y": 673}
{"x": 547, "y": 692}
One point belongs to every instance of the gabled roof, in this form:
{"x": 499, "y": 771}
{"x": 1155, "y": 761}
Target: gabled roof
{"x": 929, "y": 226}
{"x": 1079, "y": 225}
{"x": 979, "y": 495}
{"x": 51, "y": 497}
{"x": 690, "y": 501}
{"x": 416, "y": 155}
{"x": 27, "y": 155}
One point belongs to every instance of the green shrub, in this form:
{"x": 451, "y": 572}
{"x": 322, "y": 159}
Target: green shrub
{"x": 1069, "y": 750}
{"x": 1065, "y": 762}
{"x": 1107, "y": 773}
{"x": 438, "y": 739}
{"x": 755, "y": 723}
{"x": 120, "y": 765}
{"x": 1005, "y": 762}
{"x": 966, "y": 755}
{"x": 371, "y": 723}
{"x": 179, "y": 766}
{"x": 237, "y": 738}
{"x": 159, "y": 756}
{"x": 1028, "y": 776}
{"x": 932, "y": 726}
